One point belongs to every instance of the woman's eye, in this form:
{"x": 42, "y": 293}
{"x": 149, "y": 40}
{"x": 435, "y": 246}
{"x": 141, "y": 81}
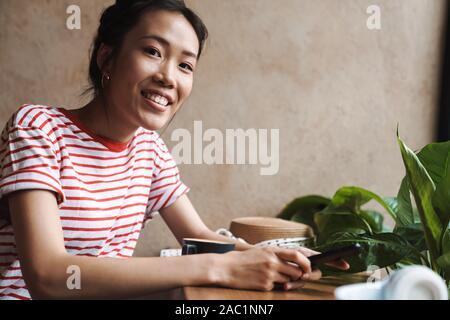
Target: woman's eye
{"x": 186, "y": 67}
{"x": 152, "y": 52}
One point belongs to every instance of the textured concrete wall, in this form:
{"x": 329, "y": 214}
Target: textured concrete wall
{"x": 310, "y": 68}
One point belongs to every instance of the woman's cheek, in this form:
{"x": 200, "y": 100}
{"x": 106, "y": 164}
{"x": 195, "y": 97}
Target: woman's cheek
{"x": 186, "y": 87}
{"x": 137, "y": 67}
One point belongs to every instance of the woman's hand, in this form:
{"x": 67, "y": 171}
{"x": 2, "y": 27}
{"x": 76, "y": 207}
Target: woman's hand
{"x": 316, "y": 273}
{"x": 338, "y": 264}
{"x": 263, "y": 268}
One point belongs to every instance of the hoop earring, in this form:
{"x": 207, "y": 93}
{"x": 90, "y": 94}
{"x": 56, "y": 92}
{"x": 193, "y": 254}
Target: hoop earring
{"x": 105, "y": 75}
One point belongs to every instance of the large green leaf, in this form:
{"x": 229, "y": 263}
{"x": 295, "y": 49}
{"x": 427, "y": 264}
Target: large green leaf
{"x": 345, "y": 213}
{"x": 374, "y": 219}
{"x": 382, "y": 250}
{"x": 441, "y": 198}
{"x": 414, "y": 234}
{"x": 423, "y": 188}
{"x": 331, "y": 221}
{"x": 405, "y": 213}
{"x": 433, "y": 157}
{"x": 444, "y": 263}
{"x": 392, "y": 203}
{"x": 446, "y": 242}
{"x": 303, "y": 209}
{"x": 353, "y": 198}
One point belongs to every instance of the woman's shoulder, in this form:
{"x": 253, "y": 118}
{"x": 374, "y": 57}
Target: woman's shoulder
{"x": 34, "y": 116}
{"x": 154, "y": 138}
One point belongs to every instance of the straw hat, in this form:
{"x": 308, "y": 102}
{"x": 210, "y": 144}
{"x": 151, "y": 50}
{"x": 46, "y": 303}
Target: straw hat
{"x": 259, "y": 229}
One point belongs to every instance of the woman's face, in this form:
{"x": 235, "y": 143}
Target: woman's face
{"x": 152, "y": 74}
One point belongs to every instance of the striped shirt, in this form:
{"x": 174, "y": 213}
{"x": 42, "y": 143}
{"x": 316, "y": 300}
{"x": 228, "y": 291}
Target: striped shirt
{"x": 105, "y": 190}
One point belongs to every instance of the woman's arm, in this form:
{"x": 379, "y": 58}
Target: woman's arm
{"x": 45, "y": 261}
{"x": 184, "y": 222}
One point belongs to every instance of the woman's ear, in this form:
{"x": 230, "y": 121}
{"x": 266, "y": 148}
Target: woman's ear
{"x": 104, "y": 58}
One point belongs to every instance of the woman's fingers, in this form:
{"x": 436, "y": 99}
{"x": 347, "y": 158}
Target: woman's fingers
{"x": 294, "y": 285}
{"x": 281, "y": 278}
{"x": 291, "y": 270}
{"x": 296, "y": 257}
{"x": 307, "y": 252}
{"x": 314, "y": 276}
{"x": 339, "y": 264}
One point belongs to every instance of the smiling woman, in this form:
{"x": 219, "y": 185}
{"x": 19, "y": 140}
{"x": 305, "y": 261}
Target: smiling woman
{"x": 142, "y": 69}
{"x": 77, "y": 185}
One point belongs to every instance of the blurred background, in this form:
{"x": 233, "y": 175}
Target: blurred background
{"x": 310, "y": 68}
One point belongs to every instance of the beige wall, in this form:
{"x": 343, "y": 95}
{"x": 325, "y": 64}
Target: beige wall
{"x": 310, "y": 68}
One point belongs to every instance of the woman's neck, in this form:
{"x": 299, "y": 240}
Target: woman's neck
{"x": 102, "y": 120}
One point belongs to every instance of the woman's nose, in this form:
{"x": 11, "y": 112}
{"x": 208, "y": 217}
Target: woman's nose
{"x": 165, "y": 76}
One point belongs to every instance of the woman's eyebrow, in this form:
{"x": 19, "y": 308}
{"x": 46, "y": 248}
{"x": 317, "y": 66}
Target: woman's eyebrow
{"x": 167, "y": 43}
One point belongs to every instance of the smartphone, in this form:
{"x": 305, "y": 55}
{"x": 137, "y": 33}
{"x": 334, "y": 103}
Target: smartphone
{"x": 334, "y": 254}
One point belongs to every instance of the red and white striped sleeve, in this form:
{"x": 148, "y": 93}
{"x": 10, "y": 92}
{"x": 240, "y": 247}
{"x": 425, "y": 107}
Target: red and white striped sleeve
{"x": 166, "y": 186}
{"x": 28, "y": 161}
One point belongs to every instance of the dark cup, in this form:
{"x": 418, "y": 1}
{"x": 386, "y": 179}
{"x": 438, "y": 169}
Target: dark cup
{"x": 196, "y": 246}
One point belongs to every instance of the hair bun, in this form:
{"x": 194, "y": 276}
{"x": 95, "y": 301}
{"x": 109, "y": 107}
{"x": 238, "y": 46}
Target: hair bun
{"x": 125, "y": 3}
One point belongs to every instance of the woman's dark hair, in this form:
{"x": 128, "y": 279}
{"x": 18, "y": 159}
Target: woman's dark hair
{"x": 118, "y": 19}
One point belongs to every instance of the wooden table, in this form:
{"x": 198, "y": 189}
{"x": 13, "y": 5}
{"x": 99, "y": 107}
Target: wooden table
{"x": 317, "y": 290}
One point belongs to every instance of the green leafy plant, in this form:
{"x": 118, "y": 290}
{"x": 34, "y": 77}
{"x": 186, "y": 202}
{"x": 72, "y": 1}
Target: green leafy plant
{"x": 421, "y": 233}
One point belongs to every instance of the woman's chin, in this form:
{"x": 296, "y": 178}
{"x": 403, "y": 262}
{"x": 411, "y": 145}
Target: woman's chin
{"x": 153, "y": 125}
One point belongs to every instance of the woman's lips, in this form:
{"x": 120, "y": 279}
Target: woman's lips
{"x": 156, "y": 106}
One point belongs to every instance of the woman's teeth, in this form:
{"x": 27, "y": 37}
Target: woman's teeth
{"x": 156, "y": 98}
